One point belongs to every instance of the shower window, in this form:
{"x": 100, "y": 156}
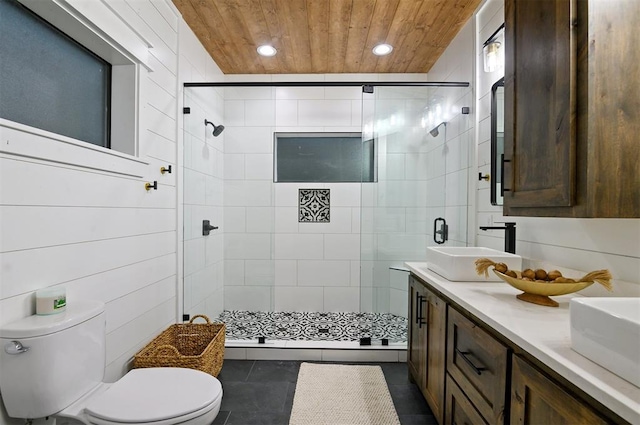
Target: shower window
{"x": 323, "y": 158}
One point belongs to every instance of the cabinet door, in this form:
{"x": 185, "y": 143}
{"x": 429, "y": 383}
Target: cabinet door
{"x": 427, "y": 344}
{"x": 435, "y": 315}
{"x": 416, "y": 357}
{"x": 540, "y": 104}
{"x": 535, "y": 399}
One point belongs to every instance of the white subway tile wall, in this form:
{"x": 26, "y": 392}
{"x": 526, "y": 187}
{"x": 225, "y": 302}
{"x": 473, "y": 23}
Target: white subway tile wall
{"x": 306, "y": 257}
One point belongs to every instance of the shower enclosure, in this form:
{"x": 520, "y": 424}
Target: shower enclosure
{"x": 318, "y": 260}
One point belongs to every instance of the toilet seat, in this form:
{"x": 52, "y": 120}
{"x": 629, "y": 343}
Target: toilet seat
{"x": 156, "y": 396}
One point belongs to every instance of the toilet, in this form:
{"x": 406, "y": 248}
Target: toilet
{"x": 54, "y": 366}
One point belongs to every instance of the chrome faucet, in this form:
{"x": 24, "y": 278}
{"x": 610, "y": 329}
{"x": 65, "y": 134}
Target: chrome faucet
{"x": 509, "y": 235}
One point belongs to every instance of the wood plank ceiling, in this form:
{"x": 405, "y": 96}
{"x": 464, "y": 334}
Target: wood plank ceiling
{"x": 325, "y": 36}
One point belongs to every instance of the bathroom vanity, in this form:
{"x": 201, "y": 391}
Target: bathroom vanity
{"x": 481, "y": 356}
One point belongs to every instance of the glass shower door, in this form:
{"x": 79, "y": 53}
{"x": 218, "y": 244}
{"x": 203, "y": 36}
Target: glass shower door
{"x": 399, "y": 210}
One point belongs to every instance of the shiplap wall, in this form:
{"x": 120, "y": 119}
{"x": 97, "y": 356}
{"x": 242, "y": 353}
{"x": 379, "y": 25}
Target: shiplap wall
{"x": 78, "y": 216}
{"x": 576, "y": 244}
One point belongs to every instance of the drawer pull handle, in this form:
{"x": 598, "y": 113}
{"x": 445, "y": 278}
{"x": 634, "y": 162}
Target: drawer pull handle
{"x": 419, "y": 319}
{"x": 464, "y": 355}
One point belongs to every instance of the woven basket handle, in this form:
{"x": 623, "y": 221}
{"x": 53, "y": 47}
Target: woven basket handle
{"x": 200, "y": 315}
{"x": 167, "y": 350}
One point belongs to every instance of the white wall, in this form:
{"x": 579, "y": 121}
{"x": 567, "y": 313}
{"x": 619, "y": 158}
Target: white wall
{"x": 578, "y": 244}
{"x": 78, "y": 216}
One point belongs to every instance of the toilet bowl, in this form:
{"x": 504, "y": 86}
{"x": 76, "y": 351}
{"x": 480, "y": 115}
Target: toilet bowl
{"x": 54, "y": 366}
{"x": 152, "y": 396}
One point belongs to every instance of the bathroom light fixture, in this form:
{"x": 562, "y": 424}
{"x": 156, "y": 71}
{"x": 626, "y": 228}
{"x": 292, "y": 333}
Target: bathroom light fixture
{"x": 493, "y": 51}
{"x": 266, "y": 50}
{"x": 491, "y": 56}
{"x": 217, "y": 129}
{"x": 382, "y": 49}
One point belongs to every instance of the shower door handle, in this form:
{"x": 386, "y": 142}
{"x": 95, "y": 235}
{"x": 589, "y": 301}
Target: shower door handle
{"x": 207, "y": 228}
{"x": 443, "y": 231}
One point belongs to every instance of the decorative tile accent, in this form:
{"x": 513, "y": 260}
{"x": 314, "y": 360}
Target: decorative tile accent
{"x": 313, "y": 326}
{"x": 314, "y": 205}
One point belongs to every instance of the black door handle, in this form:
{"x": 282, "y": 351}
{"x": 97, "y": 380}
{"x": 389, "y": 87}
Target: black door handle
{"x": 207, "y": 228}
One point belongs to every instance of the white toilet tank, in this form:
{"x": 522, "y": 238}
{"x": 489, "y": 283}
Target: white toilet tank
{"x": 63, "y": 358}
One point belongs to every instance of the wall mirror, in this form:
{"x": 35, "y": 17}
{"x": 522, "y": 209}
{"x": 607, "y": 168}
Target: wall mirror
{"x": 497, "y": 141}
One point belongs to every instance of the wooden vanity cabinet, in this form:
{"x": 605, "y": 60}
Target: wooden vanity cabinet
{"x": 470, "y": 374}
{"x": 426, "y": 354}
{"x": 572, "y": 108}
{"x": 536, "y": 399}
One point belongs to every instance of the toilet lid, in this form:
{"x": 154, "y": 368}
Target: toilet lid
{"x": 155, "y": 394}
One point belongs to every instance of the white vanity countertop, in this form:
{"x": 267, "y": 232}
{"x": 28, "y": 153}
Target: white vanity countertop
{"x": 543, "y": 332}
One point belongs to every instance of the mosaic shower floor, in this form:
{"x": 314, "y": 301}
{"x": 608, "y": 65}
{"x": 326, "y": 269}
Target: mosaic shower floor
{"x": 313, "y": 326}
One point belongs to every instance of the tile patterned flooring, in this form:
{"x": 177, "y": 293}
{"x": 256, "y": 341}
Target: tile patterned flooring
{"x": 261, "y": 392}
{"x": 313, "y": 326}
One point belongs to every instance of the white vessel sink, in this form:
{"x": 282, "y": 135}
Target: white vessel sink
{"x": 457, "y": 263}
{"x": 607, "y": 332}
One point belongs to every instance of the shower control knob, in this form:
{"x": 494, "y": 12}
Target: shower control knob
{"x": 15, "y": 347}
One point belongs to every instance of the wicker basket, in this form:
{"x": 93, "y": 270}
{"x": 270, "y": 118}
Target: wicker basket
{"x": 191, "y": 345}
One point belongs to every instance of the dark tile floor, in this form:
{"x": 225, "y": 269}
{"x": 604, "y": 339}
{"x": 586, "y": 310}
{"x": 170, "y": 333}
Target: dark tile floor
{"x": 260, "y": 392}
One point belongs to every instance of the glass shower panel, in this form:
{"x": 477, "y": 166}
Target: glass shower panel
{"x": 227, "y": 179}
{"x": 202, "y": 184}
{"x": 368, "y": 193}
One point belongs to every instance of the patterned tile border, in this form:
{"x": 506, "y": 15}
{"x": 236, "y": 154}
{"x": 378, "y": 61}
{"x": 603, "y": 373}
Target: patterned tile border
{"x": 313, "y": 326}
{"x": 314, "y": 205}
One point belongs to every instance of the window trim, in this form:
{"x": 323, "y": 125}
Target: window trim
{"x": 102, "y": 31}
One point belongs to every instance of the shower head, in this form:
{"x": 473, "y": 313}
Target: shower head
{"x": 217, "y": 129}
{"x": 434, "y": 131}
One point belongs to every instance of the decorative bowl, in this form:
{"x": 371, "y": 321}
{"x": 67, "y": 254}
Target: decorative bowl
{"x": 539, "y": 292}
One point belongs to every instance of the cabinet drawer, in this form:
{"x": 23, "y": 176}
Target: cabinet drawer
{"x": 536, "y": 399}
{"x": 460, "y": 411}
{"x": 478, "y": 364}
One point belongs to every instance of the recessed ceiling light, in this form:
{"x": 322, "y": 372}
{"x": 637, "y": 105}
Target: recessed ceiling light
{"x": 382, "y": 49}
{"x": 267, "y": 50}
